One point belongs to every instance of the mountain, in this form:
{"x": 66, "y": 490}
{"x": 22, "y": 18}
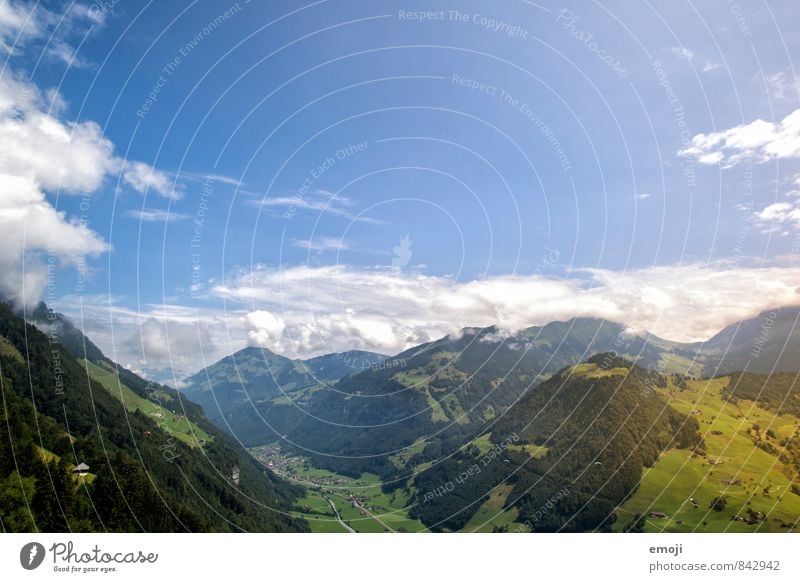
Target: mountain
{"x": 332, "y": 367}
{"x": 155, "y": 463}
{"x": 745, "y": 478}
{"x": 769, "y": 342}
{"x": 582, "y": 438}
{"x": 424, "y": 404}
{"x": 254, "y": 376}
{"x": 608, "y": 446}
{"x": 413, "y": 407}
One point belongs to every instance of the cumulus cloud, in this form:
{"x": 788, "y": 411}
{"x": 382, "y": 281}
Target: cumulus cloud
{"x": 23, "y": 24}
{"x": 169, "y": 344}
{"x": 761, "y": 140}
{"x": 145, "y": 178}
{"x": 42, "y": 153}
{"x": 34, "y": 235}
{"x": 324, "y": 309}
{"x": 265, "y": 329}
{"x": 16, "y": 25}
{"x": 59, "y": 156}
{"x": 307, "y": 311}
{"x": 163, "y": 342}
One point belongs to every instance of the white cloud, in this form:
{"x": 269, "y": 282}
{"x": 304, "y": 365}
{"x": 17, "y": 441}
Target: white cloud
{"x": 324, "y": 309}
{"x": 644, "y": 196}
{"x": 778, "y": 216}
{"x": 43, "y": 153}
{"x": 59, "y": 156}
{"x": 319, "y": 201}
{"x": 35, "y": 239}
{"x": 782, "y": 86}
{"x": 221, "y": 178}
{"x": 143, "y": 178}
{"x": 23, "y": 24}
{"x": 265, "y": 329}
{"x": 170, "y": 344}
{"x": 709, "y": 66}
{"x": 156, "y": 215}
{"x": 307, "y": 311}
{"x": 682, "y": 52}
{"x": 762, "y": 140}
{"x": 321, "y": 244}
{"x": 16, "y": 25}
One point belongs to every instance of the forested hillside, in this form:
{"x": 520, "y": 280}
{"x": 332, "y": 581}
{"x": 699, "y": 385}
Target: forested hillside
{"x": 145, "y": 472}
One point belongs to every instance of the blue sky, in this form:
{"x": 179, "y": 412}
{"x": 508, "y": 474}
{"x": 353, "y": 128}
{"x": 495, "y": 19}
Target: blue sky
{"x": 318, "y": 176}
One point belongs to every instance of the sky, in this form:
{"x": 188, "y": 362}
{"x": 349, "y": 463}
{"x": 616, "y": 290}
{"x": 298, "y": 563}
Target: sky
{"x": 186, "y": 179}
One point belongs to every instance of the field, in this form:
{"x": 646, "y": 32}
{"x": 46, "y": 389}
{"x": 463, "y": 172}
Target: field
{"x": 360, "y": 503}
{"x": 756, "y": 485}
{"x": 491, "y": 516}
{"x": 175, "y": 425}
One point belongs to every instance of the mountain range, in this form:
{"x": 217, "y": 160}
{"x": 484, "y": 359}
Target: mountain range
{"x": 442, "y": 393}
{"x": 580, "y": 425}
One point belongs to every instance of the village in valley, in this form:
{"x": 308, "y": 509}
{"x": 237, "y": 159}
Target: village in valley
{"x": 336, "y": 503}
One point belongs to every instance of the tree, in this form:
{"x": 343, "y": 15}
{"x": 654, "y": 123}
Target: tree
{"x": 719, "y": 503}
{"x": 16, "y": 493}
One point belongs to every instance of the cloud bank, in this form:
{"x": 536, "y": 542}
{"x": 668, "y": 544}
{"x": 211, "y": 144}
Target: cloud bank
{"x": 309, "y": 310}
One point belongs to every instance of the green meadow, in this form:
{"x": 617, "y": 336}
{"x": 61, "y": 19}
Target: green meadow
{"x": 175, "y": 425}
{"x": 755, "y": 484}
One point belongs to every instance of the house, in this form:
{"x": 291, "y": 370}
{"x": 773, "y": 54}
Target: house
{"x": 81, "y": 469}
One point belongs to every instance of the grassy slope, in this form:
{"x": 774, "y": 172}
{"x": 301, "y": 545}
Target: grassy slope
{"x": 182, "y": 429}
{"x": 491, "y": 514}
{"x": 677, "y": 476}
